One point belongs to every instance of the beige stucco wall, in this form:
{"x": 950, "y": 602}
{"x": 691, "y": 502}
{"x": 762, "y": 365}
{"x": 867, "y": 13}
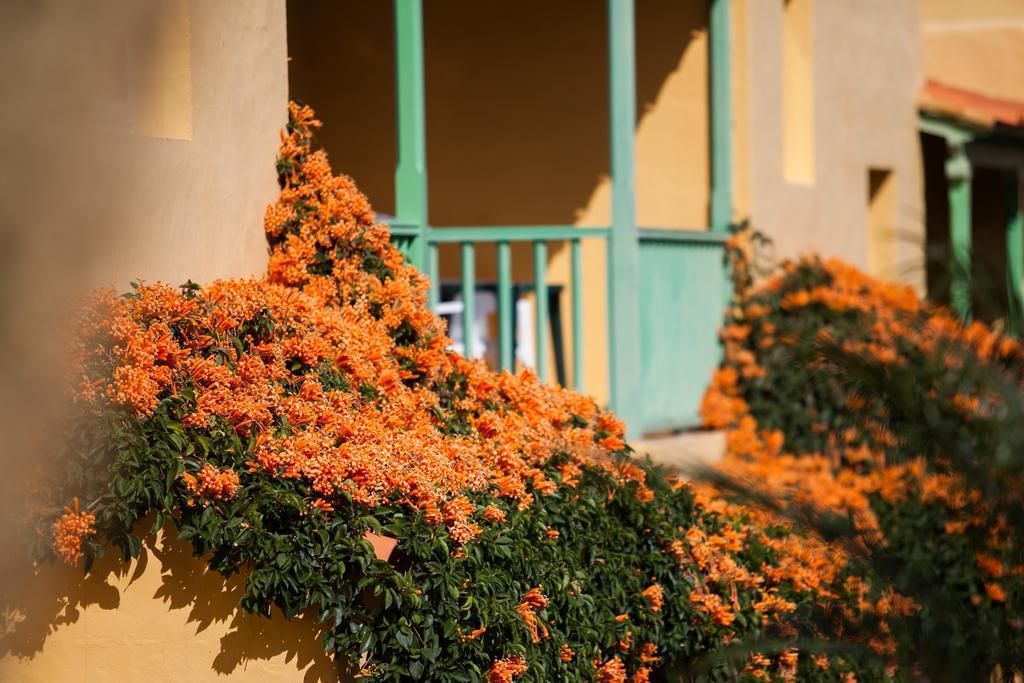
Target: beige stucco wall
{"x": 976, "y": 45}
{"x": 865, "y": 81}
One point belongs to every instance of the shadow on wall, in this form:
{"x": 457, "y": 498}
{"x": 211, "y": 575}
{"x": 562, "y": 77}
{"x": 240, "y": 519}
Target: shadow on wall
{"x": 516, "y": 99}
{"x": 165, "y": 615}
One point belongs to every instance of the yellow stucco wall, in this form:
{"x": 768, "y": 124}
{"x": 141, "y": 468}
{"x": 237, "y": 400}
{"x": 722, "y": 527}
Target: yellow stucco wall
{"x": 115, "y": 186}
{"x": 164, "y": 618}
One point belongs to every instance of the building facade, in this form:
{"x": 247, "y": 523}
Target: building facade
{"x": 567, "y": 173}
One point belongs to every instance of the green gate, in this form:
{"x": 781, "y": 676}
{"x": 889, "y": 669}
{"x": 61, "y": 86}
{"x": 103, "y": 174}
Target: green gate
{"x": 684, "y": 290}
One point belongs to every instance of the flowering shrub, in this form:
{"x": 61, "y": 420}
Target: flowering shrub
{"x": 275, "y": 422}
{"x": 801, "y": 429}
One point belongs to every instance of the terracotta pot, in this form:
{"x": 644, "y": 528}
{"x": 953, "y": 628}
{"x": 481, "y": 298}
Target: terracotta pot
{"x": 383, "y": 546}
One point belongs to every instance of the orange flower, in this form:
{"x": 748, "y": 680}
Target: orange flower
{"x": 990, "y": 565}
{"x": 565, "y": 653}
{"x": 494, "y": 514}
{"x": 474, "y": 634}
{"x": 504, "y": 670}
{"x": 68, "y": 532}
{"x": 713, "y": 606}
{"x": 995, "y": 592}
{"x": 649, "y": 654}
{"x": 532, "y": 601}
{"x": 612, "y": 671}
{"x": 338, "y": 342}
{"x": 655, "y": 596}
{"x": 216, "y": 484}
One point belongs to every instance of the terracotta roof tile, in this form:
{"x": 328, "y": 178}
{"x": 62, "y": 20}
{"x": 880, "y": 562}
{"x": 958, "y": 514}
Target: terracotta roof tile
{"x": 970, "y": 106}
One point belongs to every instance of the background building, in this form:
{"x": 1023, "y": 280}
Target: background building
{"x": 972, "y": 139}
{"x": 596, "y": 153}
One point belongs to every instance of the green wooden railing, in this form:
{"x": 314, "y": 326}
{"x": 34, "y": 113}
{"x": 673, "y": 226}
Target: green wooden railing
{"x": 625, "y": 242}
{"x": 503, "y": 237}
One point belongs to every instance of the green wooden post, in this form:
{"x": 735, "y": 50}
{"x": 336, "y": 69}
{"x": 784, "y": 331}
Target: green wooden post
{"x": 623, "y": 247}
{"x": 540, "y": 290}
{"x": 411, "y": 170}
{"x": 506, "y": 335}
{"x": 958, "y": 173}
{"x": 468, "y": 299}
{"x": 577, "y": 316}
{"x": 721, "y": 115}
{"x": 1014, "y": 252}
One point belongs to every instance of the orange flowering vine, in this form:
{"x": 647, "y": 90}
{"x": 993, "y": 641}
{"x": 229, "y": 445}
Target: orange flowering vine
{"x": 286, "y": 416}
{"x": 812, "y": 441}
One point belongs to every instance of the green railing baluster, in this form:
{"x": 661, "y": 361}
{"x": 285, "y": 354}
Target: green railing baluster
{"x": 434, "y": 273}
{"x": 577, "y": 316}
{"x": 623, "y": 248}
{"x": 411, "y": 170}
{"x": 506, "y": 334}
{"x": 540, "y": 288}
{"x": 468, "y": 299}
{"x": 721, "y": 115}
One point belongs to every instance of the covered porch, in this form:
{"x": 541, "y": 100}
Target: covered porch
{"x": 613, "y": 305}
{"x": 973, "y": 152}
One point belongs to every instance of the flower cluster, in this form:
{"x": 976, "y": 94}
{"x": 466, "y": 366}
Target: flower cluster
{"x": 337, "y": 368}
{"x": 212, "y": 483}
{"x": 505, "y": 670}
{"x": 656, "y": 596}
{"x": 68, "y": 531}
{"x": 533, "y": 601}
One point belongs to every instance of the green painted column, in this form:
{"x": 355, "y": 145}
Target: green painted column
{"x": 1014, "y": 253}
{"x": 411, "y": 171}
{"x": 719, "y": 27}
{"x": 623, "y": 246}
{"x": 958, "y": 173}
